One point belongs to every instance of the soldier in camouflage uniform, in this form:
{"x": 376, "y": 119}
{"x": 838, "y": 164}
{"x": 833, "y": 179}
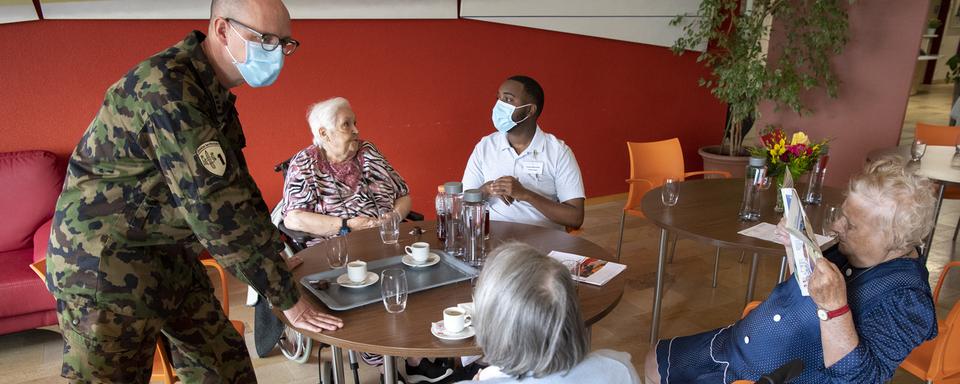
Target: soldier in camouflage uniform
{"x": 158, "y": 177}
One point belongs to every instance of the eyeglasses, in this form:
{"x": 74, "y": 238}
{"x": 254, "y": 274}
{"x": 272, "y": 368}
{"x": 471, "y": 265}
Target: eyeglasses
{"x": 269, "y": 41}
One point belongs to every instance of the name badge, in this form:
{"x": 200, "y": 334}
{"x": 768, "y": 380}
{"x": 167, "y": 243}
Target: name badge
{"x": 532, "y": 167}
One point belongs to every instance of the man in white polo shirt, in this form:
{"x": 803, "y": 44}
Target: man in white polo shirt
{"x": 528, "y": 176}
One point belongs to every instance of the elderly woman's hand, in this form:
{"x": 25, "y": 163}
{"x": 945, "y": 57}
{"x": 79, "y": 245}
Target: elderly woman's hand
{"x": 362, "y": 222}
{"x": 827, "y": 286}
{"x": 782, "y": 236}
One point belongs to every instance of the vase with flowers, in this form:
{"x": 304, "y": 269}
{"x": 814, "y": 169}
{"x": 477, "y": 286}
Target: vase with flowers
{"x": 797, "y": 155}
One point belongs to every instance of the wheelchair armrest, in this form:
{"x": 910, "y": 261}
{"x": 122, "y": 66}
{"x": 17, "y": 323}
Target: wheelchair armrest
{"x": 298, "y": 239}
{"x": 414, "y": 216}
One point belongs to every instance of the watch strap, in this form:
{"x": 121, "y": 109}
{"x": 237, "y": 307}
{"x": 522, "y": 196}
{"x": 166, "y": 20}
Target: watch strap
{"x": 838, "y": 312}
{"x": 825, "y": 315}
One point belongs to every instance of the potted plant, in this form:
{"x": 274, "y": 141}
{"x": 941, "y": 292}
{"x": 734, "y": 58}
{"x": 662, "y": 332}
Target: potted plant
{"x": 953, "y": 76}
{"x": 932, "y": 25}
{"x": 742, "y": 75}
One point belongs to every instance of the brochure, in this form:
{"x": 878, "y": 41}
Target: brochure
{"x": 802, "y": 249}
{"x": 592, "y": 271}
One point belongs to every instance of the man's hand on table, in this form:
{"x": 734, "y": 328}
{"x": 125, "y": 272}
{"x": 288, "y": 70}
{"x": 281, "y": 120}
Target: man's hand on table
{"x": 302, "y": 315}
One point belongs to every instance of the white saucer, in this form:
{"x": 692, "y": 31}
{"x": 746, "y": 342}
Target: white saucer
{"x": 437, "y": 330}
{"x": 432, "y": 259}
{"x": 345, "y": 282}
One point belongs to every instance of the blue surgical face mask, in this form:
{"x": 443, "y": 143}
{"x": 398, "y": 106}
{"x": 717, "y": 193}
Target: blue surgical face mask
{"x": 262, "y": 66}
{"x": 503, "y": 116}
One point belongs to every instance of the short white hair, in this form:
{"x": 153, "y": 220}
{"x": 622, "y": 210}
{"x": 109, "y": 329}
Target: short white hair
{"x": 528, "y": 318}
{"x": 903, "y": 202}
{"x": 323, "y": 115}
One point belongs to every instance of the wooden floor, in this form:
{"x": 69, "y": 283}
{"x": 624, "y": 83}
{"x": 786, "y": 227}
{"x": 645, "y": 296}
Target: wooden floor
{"x": 690, "y": 304}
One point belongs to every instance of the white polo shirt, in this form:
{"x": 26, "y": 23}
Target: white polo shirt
{"x": 547, "y": 166}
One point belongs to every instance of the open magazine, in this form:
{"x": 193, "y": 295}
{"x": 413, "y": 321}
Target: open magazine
{"x": 592, "y": 271}
{"x": 802, "y": 250}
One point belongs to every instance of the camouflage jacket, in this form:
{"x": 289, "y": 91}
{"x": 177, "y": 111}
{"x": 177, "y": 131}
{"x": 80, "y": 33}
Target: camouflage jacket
{"x": 159, "y": 176}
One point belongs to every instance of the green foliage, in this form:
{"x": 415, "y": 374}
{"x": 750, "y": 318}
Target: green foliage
{"x": 953, "y": 76}
{"x": 742, "y": 77}
{"x": 933, "y": 23}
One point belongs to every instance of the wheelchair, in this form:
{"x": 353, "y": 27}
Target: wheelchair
{"x": 292, "y": 344}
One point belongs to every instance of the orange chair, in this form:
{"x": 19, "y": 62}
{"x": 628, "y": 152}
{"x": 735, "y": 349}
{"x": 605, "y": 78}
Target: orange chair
{"x": 750, "y": 307}
{"x": 162, "y": 365}
{"x": 746, "y": 310}
{"x": 650, "y": 164}
{"x": 947, "y": 136}
{"x": 938, "y": 360}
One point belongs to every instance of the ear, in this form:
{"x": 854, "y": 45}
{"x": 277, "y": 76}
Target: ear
{"x": 218, "y": 30}
{"x": 533, "y": 110}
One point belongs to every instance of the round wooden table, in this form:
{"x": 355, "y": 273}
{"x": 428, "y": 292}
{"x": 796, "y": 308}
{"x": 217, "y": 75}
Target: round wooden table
{"x": 371, "y": 329}
{"x": 707, "y": 211}
{"x": 936, "y": 164}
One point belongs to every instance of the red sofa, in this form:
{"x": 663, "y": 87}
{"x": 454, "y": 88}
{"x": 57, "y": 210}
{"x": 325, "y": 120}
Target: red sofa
{"x": 30, "y": 182}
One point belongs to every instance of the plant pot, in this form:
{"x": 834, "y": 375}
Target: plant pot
{"x": 714, "y": 161}
{"x": 931, "y": 31}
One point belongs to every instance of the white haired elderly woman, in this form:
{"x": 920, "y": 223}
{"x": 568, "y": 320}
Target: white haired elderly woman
{"x": 869, "y": 302}
{"x": 529, "y": 325}
{"x": 339, "y": 183}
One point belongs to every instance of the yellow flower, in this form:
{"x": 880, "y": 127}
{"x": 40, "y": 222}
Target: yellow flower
{"x": 799, "y": 138}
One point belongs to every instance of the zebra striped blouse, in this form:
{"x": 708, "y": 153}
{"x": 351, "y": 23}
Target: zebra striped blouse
{"x": 310, "y": 185}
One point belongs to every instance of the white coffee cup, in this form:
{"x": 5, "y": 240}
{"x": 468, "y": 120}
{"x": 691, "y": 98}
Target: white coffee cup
{"x": 357, "y": 271}
{"x": 455, "y": 319}
{"x": 418, "y": 251}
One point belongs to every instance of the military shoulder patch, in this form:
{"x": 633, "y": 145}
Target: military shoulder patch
{"x": 212, "y": 158}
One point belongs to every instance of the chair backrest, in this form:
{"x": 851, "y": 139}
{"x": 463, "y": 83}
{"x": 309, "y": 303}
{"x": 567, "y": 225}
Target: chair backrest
{"x": 937, "y": 134}
{"x": 40, "y": 268}
{"x": 653, "y": 161}
{"x": 750, "y": 307}
{"x": 946, "y": 354}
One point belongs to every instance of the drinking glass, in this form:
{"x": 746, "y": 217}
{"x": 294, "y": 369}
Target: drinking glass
{"x": 393, "y": 289}
{"x": 830, "y": 214}
{"x": 670, "y": 192}
{"x": 337, "y": 255}
{"x": 766, "y": 182}
{"x": 917, "y": 150}
{"x": 389, "y": 227}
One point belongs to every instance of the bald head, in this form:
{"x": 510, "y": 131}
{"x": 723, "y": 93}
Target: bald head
{"x": 226, "y": 42}
{"x": 253, "y": 13}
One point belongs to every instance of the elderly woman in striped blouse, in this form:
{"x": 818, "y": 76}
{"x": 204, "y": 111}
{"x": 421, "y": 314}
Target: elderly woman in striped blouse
{"x": 340, "y": 183}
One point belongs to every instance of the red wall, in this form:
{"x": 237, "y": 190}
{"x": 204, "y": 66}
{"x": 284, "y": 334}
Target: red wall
{"x": 422, "y": 90}
{"x": 875, "y": 70}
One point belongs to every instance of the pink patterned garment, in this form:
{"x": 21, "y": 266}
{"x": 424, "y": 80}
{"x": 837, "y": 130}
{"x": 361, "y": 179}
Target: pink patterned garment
{"x": 361, "y": 186}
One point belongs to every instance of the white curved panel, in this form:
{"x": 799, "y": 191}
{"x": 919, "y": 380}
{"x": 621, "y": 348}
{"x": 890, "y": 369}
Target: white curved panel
{"x": 200, "y": 9}
{"x": 12, "y": 11}
{"x": 372, "y": 9}
{"x": 554, "y": 8}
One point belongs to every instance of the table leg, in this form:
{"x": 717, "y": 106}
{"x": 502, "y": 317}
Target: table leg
{"x": 783, "y": 269}
{"x": 753, "y": 276}
{"x": 936, "y": 214}
{"x": 716, "y": 267}
{"x": 389, "y": 370}
{"x": 337, "y": 361}
{"x": 658, "y": 291}
{"x": 589, "y": 337}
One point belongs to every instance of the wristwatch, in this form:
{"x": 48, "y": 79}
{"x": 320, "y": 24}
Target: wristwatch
{"x": 825, "y": 315}
{"x": 344, "y": 229}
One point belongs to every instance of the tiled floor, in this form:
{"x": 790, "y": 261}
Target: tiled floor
{"x": 689, "y": 306}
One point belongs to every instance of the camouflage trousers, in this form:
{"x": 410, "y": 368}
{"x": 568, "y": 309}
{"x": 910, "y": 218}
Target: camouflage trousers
{"x": 105, "y": 344}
